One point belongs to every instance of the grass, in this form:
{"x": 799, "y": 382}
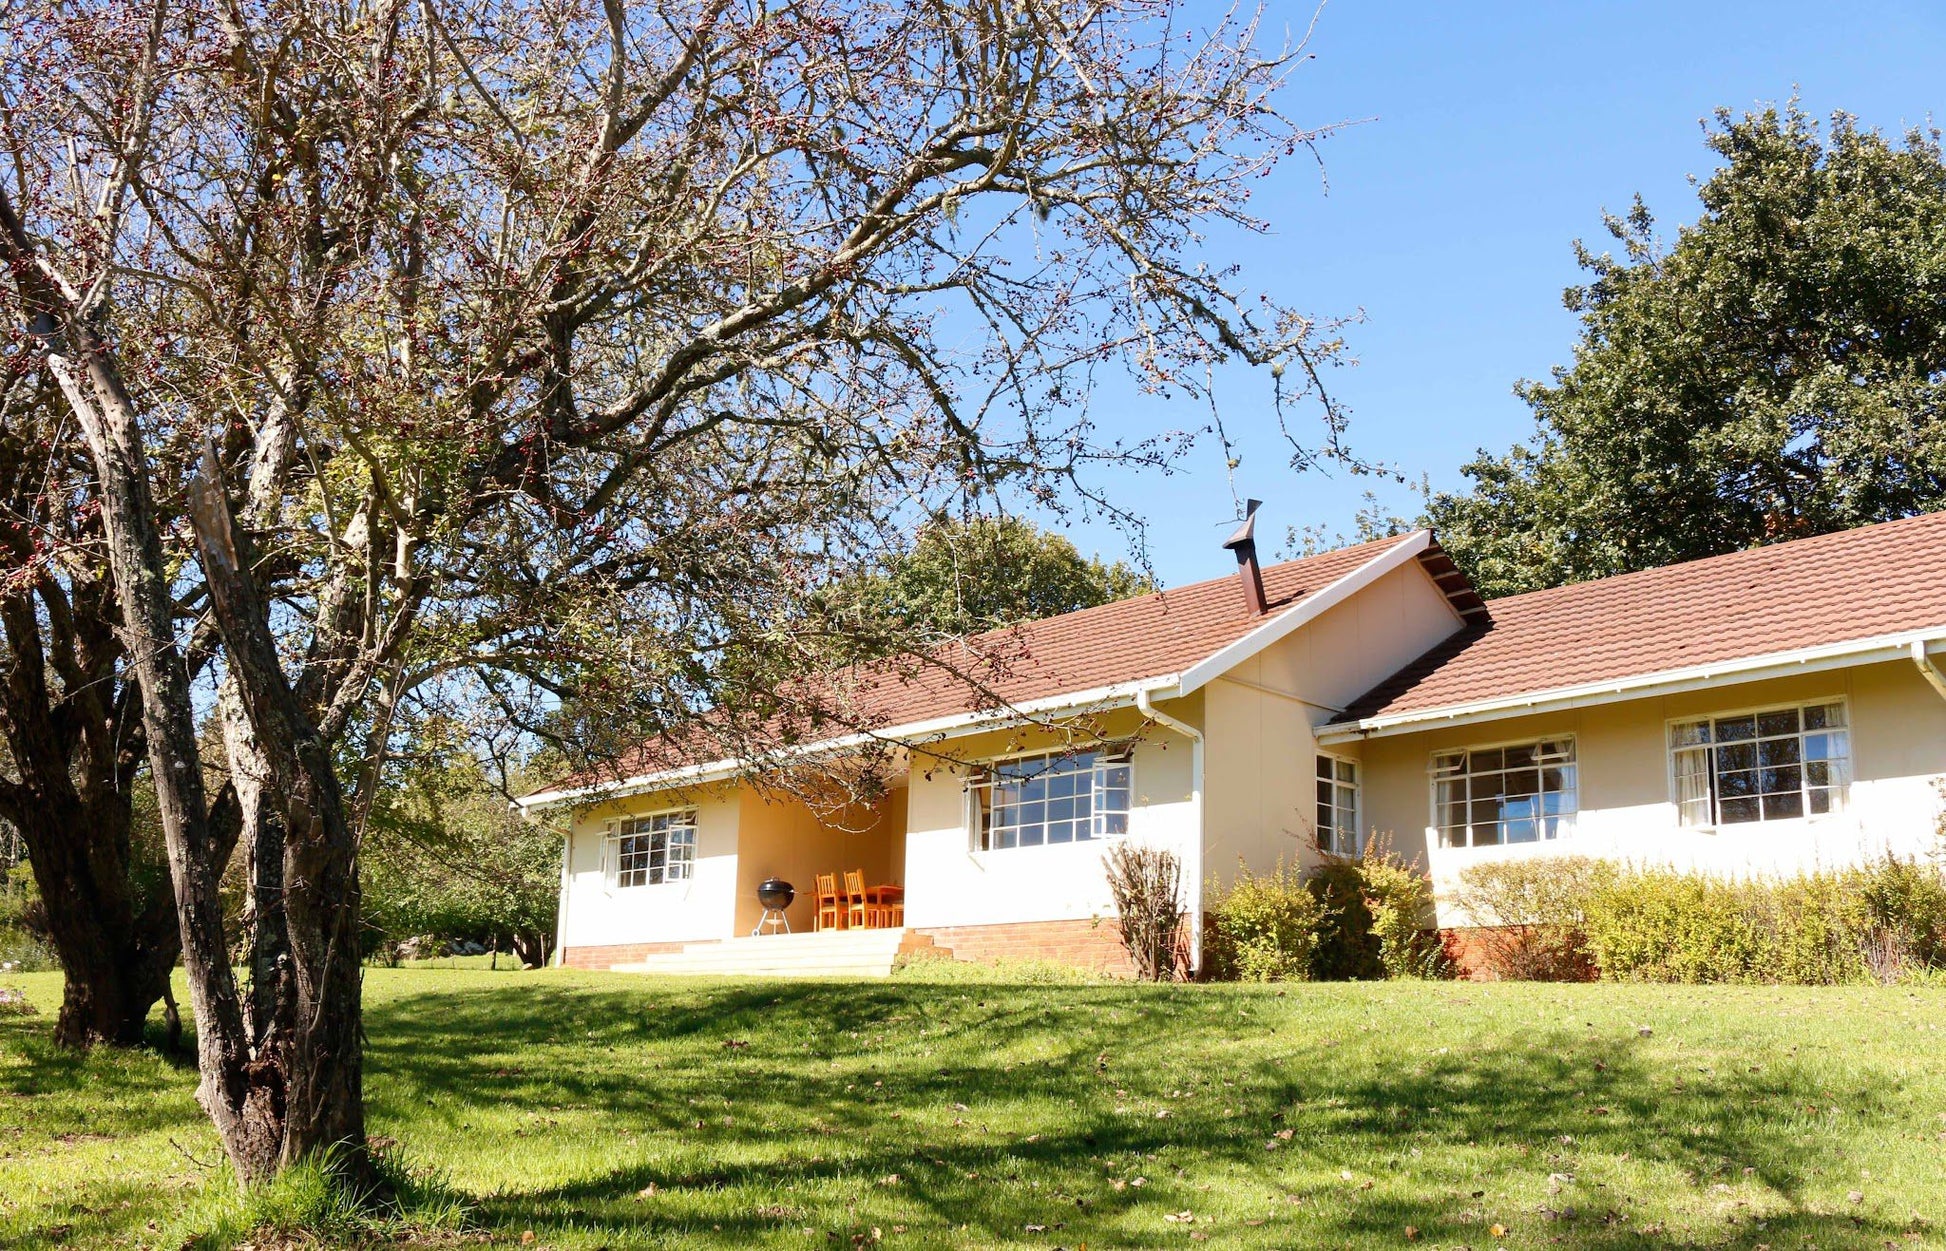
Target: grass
{"x": 602, "y": 1110}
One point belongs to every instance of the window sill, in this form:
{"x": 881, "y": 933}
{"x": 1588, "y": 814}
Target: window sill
{"x": 1782, "y": 823}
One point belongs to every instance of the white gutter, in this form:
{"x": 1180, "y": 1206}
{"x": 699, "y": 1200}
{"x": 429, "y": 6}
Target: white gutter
{"x": 957, "y": 725}
{"x": 1927, "y": 669}
{"x": 1880, "y": 648}
{"x": 1195, "y": 737}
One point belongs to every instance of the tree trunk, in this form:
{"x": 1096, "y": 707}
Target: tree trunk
{"x": 318, "y": 1007}
{"x": 530, "y": 948}
{"x": 244, "y": 1092}
{"x": 115, "y": 935}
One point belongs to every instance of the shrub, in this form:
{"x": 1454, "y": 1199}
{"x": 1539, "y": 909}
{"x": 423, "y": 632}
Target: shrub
{"x": 1398, "y": 898}
{"x": 1906, "y": 902}
{"x": 1264, "y": 928}
{"x": 1147, "y": 885}
{"x": 1884, "y": 920}
{"x": 1534, "y": 914}
{"x": 1346, "y": 949}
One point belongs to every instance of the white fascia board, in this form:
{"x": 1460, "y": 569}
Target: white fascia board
{"x": 1819, "y": 659}
{"x": 1314, "y": 606}
{"x": 957, "y": 725}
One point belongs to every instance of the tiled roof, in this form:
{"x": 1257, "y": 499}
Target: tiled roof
{"x": 1837, "y": 588}
{"x": 1150, "y": 636}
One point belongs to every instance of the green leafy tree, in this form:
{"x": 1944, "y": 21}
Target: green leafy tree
{"x": 1776, "y": 372}
{"x": 984, "y": 573}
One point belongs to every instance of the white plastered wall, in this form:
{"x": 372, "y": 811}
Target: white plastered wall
{"x": 949, "y": 882}
{"x": 1627, "y": 813}
{"x": 597, "y": 914}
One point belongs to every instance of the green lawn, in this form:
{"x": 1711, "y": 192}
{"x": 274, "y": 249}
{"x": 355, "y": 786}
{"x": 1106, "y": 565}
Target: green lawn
{"x": 609, "y": 1110}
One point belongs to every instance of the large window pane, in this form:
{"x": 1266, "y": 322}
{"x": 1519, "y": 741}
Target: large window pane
{"x": 1034, "y": 801}
{"x": 1518, "y": 793}
{"x": 1778, "y": 764}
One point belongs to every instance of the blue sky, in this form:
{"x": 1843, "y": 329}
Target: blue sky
{"x": 1499, "y": 134}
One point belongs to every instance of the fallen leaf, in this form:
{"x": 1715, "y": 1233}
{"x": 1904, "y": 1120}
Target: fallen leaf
{"x": 1498, "y": 1231}
{"x": 1411, "y": 1233}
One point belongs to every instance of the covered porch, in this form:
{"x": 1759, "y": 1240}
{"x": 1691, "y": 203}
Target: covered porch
{"x": 784, "y": 838}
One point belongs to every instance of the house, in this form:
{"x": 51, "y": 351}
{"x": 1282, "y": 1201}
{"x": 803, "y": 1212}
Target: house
{"x": 1755, "y": 713}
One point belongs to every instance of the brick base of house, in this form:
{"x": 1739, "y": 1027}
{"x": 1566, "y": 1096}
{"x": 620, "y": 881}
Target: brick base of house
{"x": 616, "y": 953}
{"x": 1085, "y": 944}
{"x": 1476, "y": 951}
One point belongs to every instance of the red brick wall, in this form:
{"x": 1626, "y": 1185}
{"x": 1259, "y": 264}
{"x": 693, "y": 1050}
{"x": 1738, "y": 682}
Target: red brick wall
{"x": 1472, "y": 951}
{"x": 617, "y": 953}
{"x": 1085, "y": 944}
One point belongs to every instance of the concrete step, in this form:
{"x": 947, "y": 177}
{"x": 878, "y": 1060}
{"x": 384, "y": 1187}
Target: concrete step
{"x": 830, "y": 953}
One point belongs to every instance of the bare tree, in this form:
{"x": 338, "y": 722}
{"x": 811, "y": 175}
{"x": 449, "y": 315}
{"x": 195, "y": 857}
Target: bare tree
{"x": 485, "y": 328}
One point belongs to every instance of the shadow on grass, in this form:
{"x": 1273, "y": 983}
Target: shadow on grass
{"x": 1553, "y": 1096}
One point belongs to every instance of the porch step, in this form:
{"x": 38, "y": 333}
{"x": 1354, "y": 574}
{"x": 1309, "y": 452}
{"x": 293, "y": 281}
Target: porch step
{"x": 829, "y": 953}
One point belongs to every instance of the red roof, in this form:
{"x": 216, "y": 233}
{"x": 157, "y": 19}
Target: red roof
{"x": 1150, "y": 636}
{"x": 1838, "y": 588}
{"x": 1131, "y": 640}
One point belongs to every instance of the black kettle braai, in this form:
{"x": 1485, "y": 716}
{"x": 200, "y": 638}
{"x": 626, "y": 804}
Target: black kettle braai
{"x": 775, "y": 894}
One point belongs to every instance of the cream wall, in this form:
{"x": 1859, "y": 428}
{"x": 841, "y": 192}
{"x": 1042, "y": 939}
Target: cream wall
{"x": 948, "y": 882}
{"x": 1261, "y": 754}
{"x": 1626, "y": 809}
{"x": 595, "y": 914}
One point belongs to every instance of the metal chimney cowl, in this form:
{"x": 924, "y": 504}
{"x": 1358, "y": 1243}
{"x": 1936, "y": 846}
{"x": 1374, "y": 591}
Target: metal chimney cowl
{"x": 1244, "y": 544}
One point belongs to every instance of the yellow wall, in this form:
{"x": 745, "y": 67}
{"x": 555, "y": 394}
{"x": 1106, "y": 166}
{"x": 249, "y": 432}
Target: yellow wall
{"x": 780, "y": 835}
{"x": 1261, "y": 756}
{"x": 1898, "y": 728}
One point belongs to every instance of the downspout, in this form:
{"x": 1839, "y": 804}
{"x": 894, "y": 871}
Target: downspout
{"x": 561, "y": 901}
{"x": 1927, "y": 669}
{"x": 1144, "y": 705}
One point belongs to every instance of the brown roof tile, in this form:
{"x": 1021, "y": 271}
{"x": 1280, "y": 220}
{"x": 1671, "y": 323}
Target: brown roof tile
{"x": 1149, "y": 636}
{"x": 1835, "y": 588}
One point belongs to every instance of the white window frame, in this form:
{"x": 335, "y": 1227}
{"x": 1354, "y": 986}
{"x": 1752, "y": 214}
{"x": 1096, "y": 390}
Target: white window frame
{"x": 1841, "y": 792}
{"x": 623, "y": 827}
{"x": 1568, "y": 822}
{"x": 982, "y": 778}
{"x": 1357, "y": 810}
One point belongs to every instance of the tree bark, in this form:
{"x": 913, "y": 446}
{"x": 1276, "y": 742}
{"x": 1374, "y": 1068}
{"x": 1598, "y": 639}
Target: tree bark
{"x": 318, "y": 1007}
{"x": 75, "y": 755}
{"x": 116, "y": 961}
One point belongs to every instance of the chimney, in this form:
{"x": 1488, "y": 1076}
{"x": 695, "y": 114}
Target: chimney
{"x": 1244, "y": 544}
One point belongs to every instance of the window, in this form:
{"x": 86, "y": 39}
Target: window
{"x": 1337, "y": 806}
{"x": 1060, "y": 797}
{"x": 1520, "y": 793}
{"x": 646, "y": 851}
{"x": 1773, "y": 765}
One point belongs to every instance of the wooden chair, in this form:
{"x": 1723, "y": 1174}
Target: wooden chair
{"x": 830, "y": 915}
{"x": 860, "y": 913}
